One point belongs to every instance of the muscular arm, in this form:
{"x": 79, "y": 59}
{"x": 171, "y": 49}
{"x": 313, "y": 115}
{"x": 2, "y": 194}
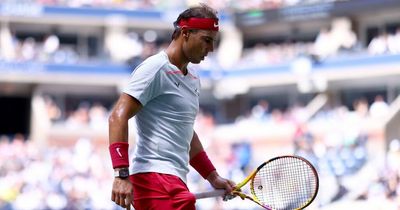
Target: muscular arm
{"x": 215, "y": 180}
{"x": 125, "y": 108}
{"x": 195, "y": 146}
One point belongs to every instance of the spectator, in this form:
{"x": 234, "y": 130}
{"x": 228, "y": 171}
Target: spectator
{"x": 379, "y": 108}
{"x": 394, "y": 42}
{"x": 378, "y": 45}
{"x": 323, "y": 44}
{"x": 7, "y": 43}
{"x": 50, "y": 45}
{"x": 29, "y": 49}
{"x": 261, "y": 110}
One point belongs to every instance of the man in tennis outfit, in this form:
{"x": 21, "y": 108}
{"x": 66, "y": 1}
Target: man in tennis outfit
{"x": 163, "y": 94}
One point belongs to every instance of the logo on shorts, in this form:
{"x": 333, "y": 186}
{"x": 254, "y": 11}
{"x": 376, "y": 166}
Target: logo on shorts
{"x": 177, "y": 84}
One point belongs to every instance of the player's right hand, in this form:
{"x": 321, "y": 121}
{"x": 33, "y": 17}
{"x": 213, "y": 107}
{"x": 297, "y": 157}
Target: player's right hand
{"x": 122, "y": 192}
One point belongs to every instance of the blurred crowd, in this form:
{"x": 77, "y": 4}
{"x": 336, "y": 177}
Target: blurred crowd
{"x": 85, "y": 114}
{"x": 227, "y": 5}
{"x": 32, "y": 177}
{"x": 350, "y": 165}
{"x": 385, "y": 43}
{"x": 131, "y": 49}
{"x": 47, "y": 50}
{"x": 79, "y": 176}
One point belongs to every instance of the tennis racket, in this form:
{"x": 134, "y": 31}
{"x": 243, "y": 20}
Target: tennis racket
{"x": 281, "y": 183}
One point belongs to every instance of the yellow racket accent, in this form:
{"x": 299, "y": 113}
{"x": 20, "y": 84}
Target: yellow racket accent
{"x": 281, "y": 183}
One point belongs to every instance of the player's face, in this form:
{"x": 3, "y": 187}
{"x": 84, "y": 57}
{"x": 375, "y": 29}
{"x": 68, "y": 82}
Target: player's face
{"x": 198, "y": 44}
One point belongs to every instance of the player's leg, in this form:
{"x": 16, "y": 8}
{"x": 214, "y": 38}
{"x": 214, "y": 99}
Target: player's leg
{"x": 161, "y": 191}
{"x": 184, "y": 201}
{"x": 181, "y": 197}
{"x": 148, "y": 193}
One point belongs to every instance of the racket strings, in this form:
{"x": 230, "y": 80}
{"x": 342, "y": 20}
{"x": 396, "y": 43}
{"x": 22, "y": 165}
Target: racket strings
{"x": 285, "y": 183}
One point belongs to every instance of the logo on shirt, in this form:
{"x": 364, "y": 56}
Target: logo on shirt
{"x": 177, "y": 84}
{"x": 197, "y": 91}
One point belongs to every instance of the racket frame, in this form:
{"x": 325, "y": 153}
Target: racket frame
{"x": 236, "y": 191}
{"x": 314, "y": 171}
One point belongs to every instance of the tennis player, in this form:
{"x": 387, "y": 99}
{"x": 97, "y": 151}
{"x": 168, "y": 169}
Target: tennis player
{"x": 163, "y": 94}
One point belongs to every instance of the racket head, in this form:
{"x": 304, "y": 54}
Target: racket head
{"x": 285, "y": 182}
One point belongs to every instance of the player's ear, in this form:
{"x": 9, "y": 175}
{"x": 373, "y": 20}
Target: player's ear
{"x": 185, "y": 32}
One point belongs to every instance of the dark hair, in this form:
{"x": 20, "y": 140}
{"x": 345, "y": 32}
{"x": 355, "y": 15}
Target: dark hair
{"x": 201, "y": 11}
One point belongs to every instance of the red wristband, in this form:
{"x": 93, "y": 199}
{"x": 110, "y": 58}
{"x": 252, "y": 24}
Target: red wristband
{"x": 119, "y": 154}
{"x": 202, "y": 164}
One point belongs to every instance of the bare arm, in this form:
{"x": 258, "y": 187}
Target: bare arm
{"x": 215, "y": 180}
{"x": 125, "y": 108}
{"x": 195, "y": 145}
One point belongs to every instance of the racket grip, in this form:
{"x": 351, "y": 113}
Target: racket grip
{"x": 210, "y": 194}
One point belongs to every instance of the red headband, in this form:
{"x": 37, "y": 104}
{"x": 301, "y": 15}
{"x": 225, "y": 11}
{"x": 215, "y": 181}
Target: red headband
{"x": 200, "y": 23}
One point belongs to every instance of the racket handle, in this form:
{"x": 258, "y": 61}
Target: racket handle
{"x": 210, "y": 194}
